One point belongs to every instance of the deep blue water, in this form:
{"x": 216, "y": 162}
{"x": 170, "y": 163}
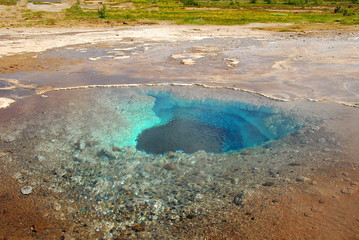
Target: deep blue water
{"x": 211, "y": 125}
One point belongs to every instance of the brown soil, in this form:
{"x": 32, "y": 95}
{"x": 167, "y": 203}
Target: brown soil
{"x": 25, "y": 216}
{"x": 29, "y": 62}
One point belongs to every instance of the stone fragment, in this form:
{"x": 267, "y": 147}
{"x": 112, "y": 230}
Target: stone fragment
{"x": 139, "y": 227}
{"x": 107, "y": 154}
{"x": 302, "y": 179}
{"x": 170, "y": 166}
{"x": 268, "y": 184}
{"x": 345, "y": 191}
{"x": 294, "y": 164}
{"x": 188, "y": 61}
{"x": 26, "y": 190}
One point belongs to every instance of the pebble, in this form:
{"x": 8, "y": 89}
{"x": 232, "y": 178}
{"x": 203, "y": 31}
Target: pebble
{"x": 294, "y": 164}
{"x": 239, "y": 199}
{"x": 138, "y": 227}
{"x": 170, "y": 166}
{"x": 315, "y": 128}
{"x": 188, "y": 61}
{"x": 345, "y": 191}
{"x": 268, "y": 184}
{"x": 353, "y": 183}
{"x": 313, "y": 182}
{"x": 106, "y": 153}
{"x": 246, "y": 152}
{"x": 302, "y": 179}
{"x": 26, "y": 190}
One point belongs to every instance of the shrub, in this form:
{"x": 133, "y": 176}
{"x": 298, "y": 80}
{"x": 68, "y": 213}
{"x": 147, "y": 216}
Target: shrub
{"x": 338, "y": 9}
{"x": 75, "y": 9}
{"x": 294, "y": 2}
{"x": 347, "y": 12}
{"x": 190, "y": 3}
{"x": 101, "y": 12}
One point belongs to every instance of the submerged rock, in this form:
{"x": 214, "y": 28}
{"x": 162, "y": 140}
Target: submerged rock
{"x": 241, "y": 198}
{"x": 107, "y": 154}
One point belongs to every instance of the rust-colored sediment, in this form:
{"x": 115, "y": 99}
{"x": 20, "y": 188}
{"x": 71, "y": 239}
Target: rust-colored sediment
{"x": 25, "y": 216}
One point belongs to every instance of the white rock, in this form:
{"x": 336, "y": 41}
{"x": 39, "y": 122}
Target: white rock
{"x": 188, "y": 61}
{"x": 26, "y": 190}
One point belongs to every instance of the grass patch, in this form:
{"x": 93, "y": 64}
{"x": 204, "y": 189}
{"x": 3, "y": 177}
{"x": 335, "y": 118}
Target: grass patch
{"x": 299, "y": 12}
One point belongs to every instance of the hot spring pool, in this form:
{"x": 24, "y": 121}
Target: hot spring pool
{"x": 215, "y": 126}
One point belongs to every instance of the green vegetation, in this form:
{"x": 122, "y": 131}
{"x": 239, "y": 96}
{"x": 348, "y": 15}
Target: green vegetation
{"x": 220, "y": 12}
{"x": 101, "y": 12}
{"x": 8, "y": 2}
{"x": 223, "y": 12}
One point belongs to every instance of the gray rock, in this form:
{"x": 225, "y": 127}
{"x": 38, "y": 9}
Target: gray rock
{"x": 26, "y": 190}
{"x": 345, "y": 191}
{"x": 302, "y": 179}
{"x": 241, "y": 198}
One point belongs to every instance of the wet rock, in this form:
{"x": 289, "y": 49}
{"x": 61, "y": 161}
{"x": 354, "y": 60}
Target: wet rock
{"x": 315, "y": 128}
{"x": 274, "y": 174}
{"x": 92, "y": 143}
{"x": 80, "y": 145}
{"x": 246, "y": 152}
{"x": 198, "y": 197}
{"x": 170, "y": 166}
{"x": 26, "y": 190}
{"x": 302, "y": 179}
{"x": 107, "y": 154}
{"x": 268, "y": 184}
{"x": 139, "y": 227}
{"x": 40, "y": 158}
{"x": 116, "y": 149}
{"x": 241, "y": 198}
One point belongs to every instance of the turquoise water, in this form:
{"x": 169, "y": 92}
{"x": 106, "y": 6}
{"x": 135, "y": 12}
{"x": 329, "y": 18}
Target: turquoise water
{"x": 215, "y": 126}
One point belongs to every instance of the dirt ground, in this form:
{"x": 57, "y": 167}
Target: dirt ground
{"x": 326, "y": 207}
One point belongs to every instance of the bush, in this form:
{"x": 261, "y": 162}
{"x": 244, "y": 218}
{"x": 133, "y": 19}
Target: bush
{"x": 347, "y": 12}
{"x": 101, "y": 12}
{"x": 338, "y": 9}
{"x": 295, "y": 2}
{"x": 75, "y": 9}
{"x": 190, "y": 3}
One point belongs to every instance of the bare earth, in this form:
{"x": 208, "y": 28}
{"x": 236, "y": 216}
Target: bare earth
{"x": 316, "y": 66}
